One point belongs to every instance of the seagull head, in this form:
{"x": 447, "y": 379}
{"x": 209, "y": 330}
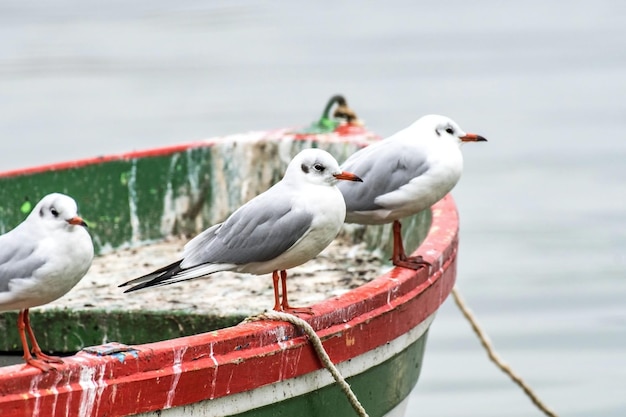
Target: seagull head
{"x": 57, "y": 211}
{"x": 439, "y": 127}
{"x": 317, "y": 166}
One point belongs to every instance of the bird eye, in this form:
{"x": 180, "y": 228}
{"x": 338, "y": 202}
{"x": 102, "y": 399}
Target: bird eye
{"x": 449, "y": 130}
{"x": 54, "y": 212}
{"x": 319, "y": 167}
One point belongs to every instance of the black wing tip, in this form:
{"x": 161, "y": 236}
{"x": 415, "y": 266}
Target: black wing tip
{"x": 152, "y": 283}
{"x": 135, "y": 288}
{"x": 153, "y": 278}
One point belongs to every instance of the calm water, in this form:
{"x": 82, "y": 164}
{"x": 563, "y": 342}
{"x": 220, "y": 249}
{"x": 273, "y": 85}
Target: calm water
{"x": 543, "y": 203}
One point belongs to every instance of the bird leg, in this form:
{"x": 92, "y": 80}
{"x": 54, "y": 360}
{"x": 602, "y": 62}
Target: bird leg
{"x": 275, "y": 278}
{"x": 399, "y": 257}
{"x": 28, "y": 358}
{"x": 284, "y": 306}
{"x": 36, "y": 349}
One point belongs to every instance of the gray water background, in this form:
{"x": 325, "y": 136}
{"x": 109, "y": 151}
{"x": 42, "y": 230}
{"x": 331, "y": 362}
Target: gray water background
{"x": 542, "y": 204}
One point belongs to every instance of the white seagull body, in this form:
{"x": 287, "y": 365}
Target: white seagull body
{"x": 405, "y": 174}
{"x": 284, "y": 227}
{"x": 43, "y": 258}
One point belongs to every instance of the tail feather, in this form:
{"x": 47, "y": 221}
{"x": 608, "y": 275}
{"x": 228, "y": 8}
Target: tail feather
{"x": 154, "y": 277}
{"x": 173, "y": 273}
{"x": 158, "y": 283}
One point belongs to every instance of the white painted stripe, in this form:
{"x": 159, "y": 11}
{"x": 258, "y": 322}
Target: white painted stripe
{"x": 280, "y": 391}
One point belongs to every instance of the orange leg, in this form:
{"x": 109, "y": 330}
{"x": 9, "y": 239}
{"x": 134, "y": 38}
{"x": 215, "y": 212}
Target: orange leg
{"x": 285, "y": 303}
{"x": 36, "y": 349}
{"x": 28, "y": 358}
{"x": 275, "y": 278}
{"x": 399, "y": 257}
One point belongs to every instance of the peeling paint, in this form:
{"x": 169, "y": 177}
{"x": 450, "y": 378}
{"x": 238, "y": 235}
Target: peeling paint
{"x": 34, "y": 391}
{"x": 288, "y": 363}
{"x": 132, "y": 204}
{"x": 230, "y": 378}
{"x": 102, "y": 384}
{"x": 212, "y": 356}
{"x": 391, "y": 295}
{"x": 176, "y": 371}
{"x": 281, "y": 338}
{"x": 168, "y": 218}
{"x": 93, "y": 383}
{"x": 214, "y": 382}
{"x": 54, "y": 391}
{"x": 113, "y": 393}
{"x": 193, "y": 173}
{"x": 274, "y": 393}
{"x": 70, "y": 393}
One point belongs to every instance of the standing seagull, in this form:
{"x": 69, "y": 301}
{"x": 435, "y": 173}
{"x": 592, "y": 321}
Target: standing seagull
{"x": 405, "y": 174}
{"x": 279, "y": 229}
{"x": 41, "y": 260}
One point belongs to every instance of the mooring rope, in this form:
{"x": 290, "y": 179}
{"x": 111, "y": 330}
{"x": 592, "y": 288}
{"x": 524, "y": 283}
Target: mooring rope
{"x": 495, "y": 358}
{"x": 345, "y": 387}
{"x": 319, "y": 349}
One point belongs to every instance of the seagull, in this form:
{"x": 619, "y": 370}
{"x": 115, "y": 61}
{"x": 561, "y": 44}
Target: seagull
{"x": 405, "y": 174}
{"x": 284, "y": 227}
{"x": 41, "y": 260}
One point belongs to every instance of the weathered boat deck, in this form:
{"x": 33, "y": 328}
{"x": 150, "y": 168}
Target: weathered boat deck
{"x": 341, "y": 267}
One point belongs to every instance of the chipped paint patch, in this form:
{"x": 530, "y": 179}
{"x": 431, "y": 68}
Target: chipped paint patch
{"x": 281, "y": 337}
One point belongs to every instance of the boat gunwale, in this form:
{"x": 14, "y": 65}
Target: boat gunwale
{"x": 351, "y": 324}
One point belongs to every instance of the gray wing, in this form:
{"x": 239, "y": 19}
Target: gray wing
{"x": 384, "y": 168}
{"x": 260, "y": 230}
{"x": 16, "y": 258}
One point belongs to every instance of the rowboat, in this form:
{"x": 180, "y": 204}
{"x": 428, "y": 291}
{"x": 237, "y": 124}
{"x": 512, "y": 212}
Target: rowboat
{"x": 161, "y": 362}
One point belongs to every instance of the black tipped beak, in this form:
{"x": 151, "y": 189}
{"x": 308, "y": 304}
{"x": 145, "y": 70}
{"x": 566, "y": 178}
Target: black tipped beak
{"x": 347, "y": 176}
{"x": 472, "y": 137}
{"x": 77, "y": 221}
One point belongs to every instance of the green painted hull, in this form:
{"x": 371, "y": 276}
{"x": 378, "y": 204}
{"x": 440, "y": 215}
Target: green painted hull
{"x": 68, "y": 331}
{"x": 379, "y": 389}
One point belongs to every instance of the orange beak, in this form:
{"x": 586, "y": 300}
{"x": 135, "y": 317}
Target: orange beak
{"x": 472, "y": 137}
{"x": 347, "y": 176}
{"x": 77, "y": 221}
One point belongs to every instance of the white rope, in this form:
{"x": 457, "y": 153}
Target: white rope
{"x": 319, "y": 349}
{"x": 495, "y": 358}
